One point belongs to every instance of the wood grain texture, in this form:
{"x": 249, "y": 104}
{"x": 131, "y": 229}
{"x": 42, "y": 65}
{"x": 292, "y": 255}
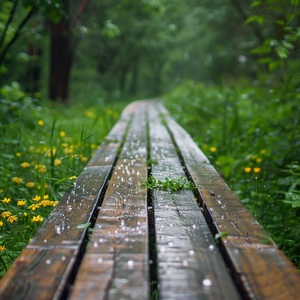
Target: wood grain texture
{"x": 39, "y": 274}
{"x": 115, "y": 265}
{"x": 189, "y": 263}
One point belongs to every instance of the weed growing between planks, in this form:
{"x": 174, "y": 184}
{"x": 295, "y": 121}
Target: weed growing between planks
{"x": 43, "y": 149}
{"x": 168, "y": 184}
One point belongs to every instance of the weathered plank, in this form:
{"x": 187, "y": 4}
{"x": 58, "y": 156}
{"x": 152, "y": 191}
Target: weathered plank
{"x": 39, "y": 274}
{"x": 115, "y": 265}
{"x": 188, "y": 261}
{"x": 261, "y": 271}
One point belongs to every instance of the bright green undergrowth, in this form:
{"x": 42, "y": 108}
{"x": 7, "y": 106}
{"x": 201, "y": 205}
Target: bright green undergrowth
{"x": 169, "y": 184}
{"x": 44, "y": 146}
{"x": 251, "y": 135}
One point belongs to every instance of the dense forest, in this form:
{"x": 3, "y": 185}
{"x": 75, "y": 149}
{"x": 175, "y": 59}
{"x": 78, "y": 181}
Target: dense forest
{"x": 229, "y": 72}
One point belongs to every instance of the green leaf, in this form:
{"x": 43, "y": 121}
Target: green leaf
{"x": 256, "y": 3}
{"x": 275, "y": 65}
{"x": 221, "y": 235}
{"x": 255, "y": 19}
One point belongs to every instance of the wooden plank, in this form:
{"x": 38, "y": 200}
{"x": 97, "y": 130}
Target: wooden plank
{"x": 251, "y": 262}
{"x": 115, "y": 265}
{"x": 38, "y": 274}
{"x": 189, "y": 263}
{"x": 272, "y": 270}
{"x": 68, "y": 223}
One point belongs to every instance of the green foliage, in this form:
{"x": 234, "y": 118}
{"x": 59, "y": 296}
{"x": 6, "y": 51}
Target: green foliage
{"x": 277, "y": 21}
{"x": 14, "y": 18}
{"x": 168, "y": 184}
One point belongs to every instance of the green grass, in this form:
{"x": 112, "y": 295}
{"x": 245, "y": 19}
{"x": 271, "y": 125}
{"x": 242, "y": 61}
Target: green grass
{"x": 251, "y": 135}
{"x": 44, "y": 146}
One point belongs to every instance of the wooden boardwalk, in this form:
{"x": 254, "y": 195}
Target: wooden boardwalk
{"x": 111, "y": 238}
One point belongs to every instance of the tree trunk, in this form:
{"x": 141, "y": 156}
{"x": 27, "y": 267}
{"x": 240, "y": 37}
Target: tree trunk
{"x": 60, "y": 58}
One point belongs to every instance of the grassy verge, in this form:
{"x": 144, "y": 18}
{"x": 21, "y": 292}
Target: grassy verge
{"x": 251, "y": 136}
{"x": 43, "y": 149}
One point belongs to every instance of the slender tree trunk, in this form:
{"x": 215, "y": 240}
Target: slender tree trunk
{"x": 60, "y": 59}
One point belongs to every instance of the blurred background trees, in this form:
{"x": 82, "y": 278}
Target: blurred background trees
{"x": 143, "y": 48}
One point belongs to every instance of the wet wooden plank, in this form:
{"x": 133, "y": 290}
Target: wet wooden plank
{"x": 115, "y": 265}
{"x": 67, "y": 224}
{"x": 253, "y": 263}
{"x": 39, "y": 274}
{"x": 189, "y": 264}
{"x": 273, "y": 277}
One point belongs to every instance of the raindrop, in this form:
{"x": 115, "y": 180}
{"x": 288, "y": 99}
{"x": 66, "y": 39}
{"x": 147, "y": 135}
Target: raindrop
{"x": 130, "y": 264}
{"x": 95, "y": 244}
{"x": 57, "y": 229}
{"x": 185, "y": 263}
{"x": 191, "y": 252}
{"x": 45, "y": 241}
{"x": 48, "y": 261}
{"x": 211, "y": 247}
{"x": 100, "y": 260}
{"x": 171, "y": 244}
{"x": 207, "y": 282}
{"x": 63, "y": 258}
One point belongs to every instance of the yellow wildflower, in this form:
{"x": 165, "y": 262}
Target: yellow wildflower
{"x": 41, "y": 168}
{"x": 2, "y": 248}
{"x": 62, "y": 134}
{"x": 1, "y": 190}
{"x": 256, "y": 170}
{"x": 30, "y": 184}
{"x": 212, "y": 149}
{"x": 247, "y": 169}
{"x": 72, "y": 177}
{"x": 18, "y": 154}
{"x": 263, "y": 151}
{"x": 258, "y": 160}
{"x": 37, "y": 219}
{"x": 34, "y": 207}
{"x": 57, "y": 162}
{"x": 6, "y": 200}
{"x": 1, "y": 223}
{"x": 21, "y": 203}
{"x": 40, "y": 122}
{"x": 25, "y": 214}
{"x": 84, "y": 159}
{"x": 36, "y": 198}
{"x": 17, "y": 180}
{"x": 25, "y": 164}
{"x": 6, "y": 214}
{"x": 12, "y": 219}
